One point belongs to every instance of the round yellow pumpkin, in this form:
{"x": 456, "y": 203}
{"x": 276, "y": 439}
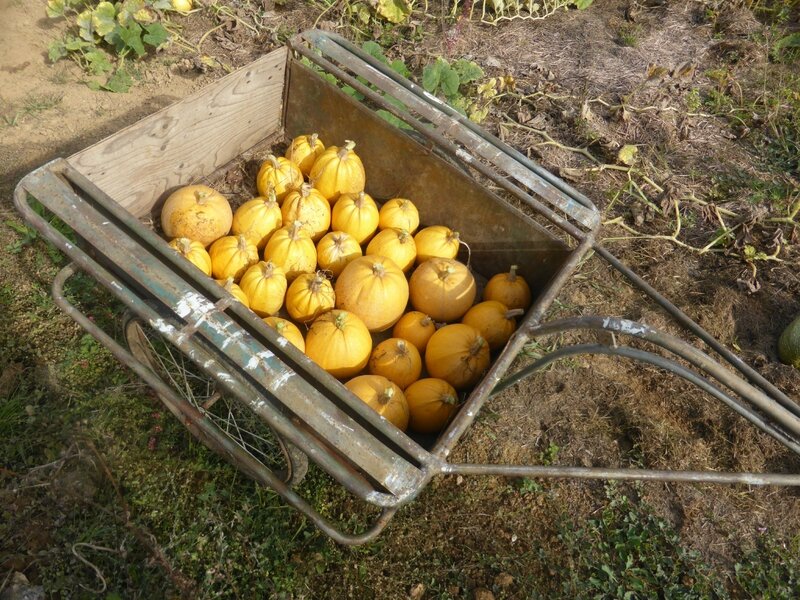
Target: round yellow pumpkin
{"x": 442, "y": 288}
{"x": 231, "y": 255}
{"x": 510, "y": 289}
{"x": 458, "y": 354}
{"x": 279, "y": 173}
{"x": 338, "y": 171}
{"x": 336, "y": 250}
{"x": 400, "y": 214}
{"x": 339, "y": 342}
{"x": 194, "y": 252}
{"x": 234, "y": 290}
{"x": 304, "y": 151}
{"x": 288, "y": 330}
{"x": 292, "y": 249}
{"x": 197, "y": 212}
{"x": 415, "y": 327}
{"x": 396, "y": 244}
{"x": 310, "y": 295}
{"x": 265, "y": 286}
{"x": 258, "y": 219}
{"x": 398, "y": 360}
{"x": 493, "y": 321}
{"x": 309, "y": 207}
{"x": 431, "y": 402}
{"x": 375, "y": 289}
{"x": 382, "y": 396}
{"x": 436, "y": 242}
{"x": 356, "y": 214}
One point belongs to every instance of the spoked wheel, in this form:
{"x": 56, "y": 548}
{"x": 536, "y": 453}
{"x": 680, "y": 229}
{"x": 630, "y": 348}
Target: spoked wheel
{"x": 233, "y": 421}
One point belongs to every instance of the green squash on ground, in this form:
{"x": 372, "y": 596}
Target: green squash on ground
{"x": 789, "y": 344}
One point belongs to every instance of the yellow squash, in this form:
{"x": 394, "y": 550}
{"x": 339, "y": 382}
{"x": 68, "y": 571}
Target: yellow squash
{"x": 382, "y": 396}
{"x": 458, "y": 354}
{"x": 442, "y": 288}
{"x": 356, "y": 214}
{"x": 493, "y": 321}
{"x": 396, "y": 244}
{"x": 265, "y": 286}
{"x": 375, "y": 289}
{"x": 279, "y": 173}
{"x": 510, "y": 289}
{"x": 194, "y": 252}
{"x": 288, "y": 330}
{"x": 339, "y": 342}
{"x": 258, "y": 219}
{"x": 436, "y": 242}
{"x": 231, "y": 256}
{"x": 338, "y": 171}
{"x": 310, "y": 295}
{"x": 431, "y": 402}
{"x": 336, "y": 250}
{"x": 309, "y": 207}
{"x": 397, "y": 360}
{"x": 292, "y": 249}
{"x": 399, "y": 213}
{"x": 197, "y": 212}
{"x": 304, "y": 151}
{"x": 415, "y": 327}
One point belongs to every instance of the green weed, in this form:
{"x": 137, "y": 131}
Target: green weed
{"x": 102, "y": 36}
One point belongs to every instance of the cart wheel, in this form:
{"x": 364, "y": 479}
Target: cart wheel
{"x": 235, "y": 422}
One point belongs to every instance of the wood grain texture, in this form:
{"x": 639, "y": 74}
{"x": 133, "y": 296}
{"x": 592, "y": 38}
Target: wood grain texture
{"x": 189, "y": 139}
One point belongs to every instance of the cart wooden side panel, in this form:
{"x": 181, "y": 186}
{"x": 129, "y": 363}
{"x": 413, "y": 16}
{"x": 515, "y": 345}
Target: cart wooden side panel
{"x": 190, "y": 139}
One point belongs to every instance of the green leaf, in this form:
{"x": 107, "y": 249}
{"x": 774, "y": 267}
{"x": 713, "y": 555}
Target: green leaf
{"x": 56, "y": 50}
{"x": 120, "y": 82}
{"x": 390, "y": 118}
{"x": 131, "y": 36}
{"x": 94, "y": 85}
{"x": 363, "y": 13}
{"x": 97, "y": 62}
{"x": 156, "y": 35}
{"x": 467, "y": 70}
{"x": 55, "y": 8}
{"x": 627, "y": 154}
{"x": 73, "y": 43}
{"x": 400, "y": 67}
{"x": 85, "y": 27}
{"x": 432, "y": 75}
{"x": 450, "y": 82}
{"x": 375, "y": 51}
{"x": 161, "y": 4}
{"x": 104, "y": 18}
{"x": 581, "y": 4}
{"x": 394, "y": 11}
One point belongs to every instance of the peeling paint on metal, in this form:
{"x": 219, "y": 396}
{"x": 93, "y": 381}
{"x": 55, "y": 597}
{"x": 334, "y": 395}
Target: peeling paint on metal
{"x": 193, "y": 302}
{"x": 625, "y": 326}
{"x": 162, "y": 327}
{"x": 282, "y": 341}
{"x": 464, "y": 155}
{"x": 228, "y": 341}
{"x": 283, "y": 378}
{"x": 115, "y": 285}
{"x": 222, "y": 376}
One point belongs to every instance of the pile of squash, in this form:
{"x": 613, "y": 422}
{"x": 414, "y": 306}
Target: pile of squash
{"x": 316, "y": 248}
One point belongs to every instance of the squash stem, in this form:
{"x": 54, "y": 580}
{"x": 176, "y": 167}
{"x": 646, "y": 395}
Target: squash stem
{"x": 386, "y": 396}
{"x": 512, "y": 273}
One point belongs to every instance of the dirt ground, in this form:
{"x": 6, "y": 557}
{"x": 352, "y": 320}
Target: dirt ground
{"x": 573, "y": 72}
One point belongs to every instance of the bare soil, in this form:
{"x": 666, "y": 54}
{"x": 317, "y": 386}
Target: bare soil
{"x": 597, "y": 411}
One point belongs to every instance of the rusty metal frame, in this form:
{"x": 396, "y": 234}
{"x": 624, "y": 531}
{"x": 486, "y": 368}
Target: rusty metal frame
{"x": 251, "y": 363}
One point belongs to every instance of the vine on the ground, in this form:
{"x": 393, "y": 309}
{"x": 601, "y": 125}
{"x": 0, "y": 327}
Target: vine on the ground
{"x": 103, "y": 37}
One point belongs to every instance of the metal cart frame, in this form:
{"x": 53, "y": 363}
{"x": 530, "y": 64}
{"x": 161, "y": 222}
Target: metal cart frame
{"x": 312, "y": 414}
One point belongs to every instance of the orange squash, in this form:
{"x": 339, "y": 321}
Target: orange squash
{"x": 339, "y": 342}
{"x": 396, "y": 244}
{"x": 280, "y": 173}
{"x": 197, "y": 212}
{"x": 234, "y": 290}
{"x": 310, "y": 295}
{"x": 194, "y": 252}
{"x": 338, "y": 171}
{"x": 510, "y": 289}
{"x": 400, "y": 214}
{"x": 415, "y": 327}
{"x": 288, "y": 330}
{"x": 431, "y": 402}
{"x": 356, "y": 214}
{"x": 493, "y": 321}
{"x": 258, "y": 219}
{"x": 375, "y": 289}
{"x": 382, "y": 396}
{"x": 442, "y": 288}
{"x": 304, "y": 151}
{"x": 436, "y": 242}
{"x": 231, "y": 255}
{"x": 336, "y": 250}
{"x": 265, "y": 286}
{"x": 292, "y": 249}
{"x": 309, "y": 207}
{"x": 458, "y": 354}
{"x": 397, "y": 360}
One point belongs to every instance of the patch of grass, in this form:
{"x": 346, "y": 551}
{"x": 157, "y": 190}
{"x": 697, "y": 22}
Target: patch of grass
{"x": 33, "y": 104}
{"x": 628, "y": 552}
{"x": 771, "y": 570}
{"x": 628, "y": 35}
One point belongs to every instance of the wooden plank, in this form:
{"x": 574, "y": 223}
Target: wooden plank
{"x": 189, "y": 139}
